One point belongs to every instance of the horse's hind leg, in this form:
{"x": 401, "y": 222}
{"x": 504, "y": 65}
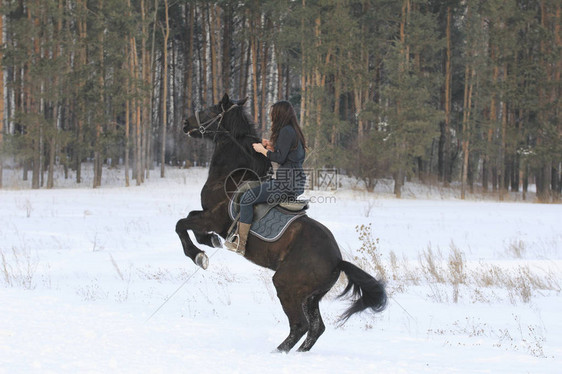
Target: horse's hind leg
{"x": 292, "y": 304}
{"x": 298, "y": 324}
{"x": 316, "y": 325}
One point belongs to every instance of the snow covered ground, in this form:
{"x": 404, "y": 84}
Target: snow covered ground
{"x": 474, "y": 285}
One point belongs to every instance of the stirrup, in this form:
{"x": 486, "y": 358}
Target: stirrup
{"x": 232, "y": 243}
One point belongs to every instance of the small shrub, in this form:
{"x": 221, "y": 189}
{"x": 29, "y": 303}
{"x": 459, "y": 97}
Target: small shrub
{"x": 369, "y": 250}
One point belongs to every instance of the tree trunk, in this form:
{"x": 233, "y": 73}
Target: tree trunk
{"x": 543, "y": 176}
{"x": 136, "y": 109}
{"x": 34, "y": 108}
{"x": 304, "y": 91}
{"x": 213, "y": 30}
{"x": 469, "y": 72}
{"x": 244, "y": 69}
{"x": 52, "y": 152}
{"x": 358, "y": 101}
{"x": 398, "y": 177}
{"x": 226, "y": 47}
{"x": 264, "y": 91}
{"x": 164, "y": 95}
{"x": 255, "y": 47}
{"x": 557, "y": 91}
{"x": 146, "y": 112}
{"x": 444, "y": 157}
{"x": 148, "y": 156}
{"x": 319, "y": 84}
{"x": 337, "y": 94}
{"x": 280, "y": 68}
{"x": 503, "y": 175}
{"x": 188, "y": 72}
{"x": 1, "y": 100}
{"x": 525, "y": 180}
{"x": 555, "y": 182}
{"x": 189, "y": 58}
{"x": 246, "y": 74}
{"x": 56, "y": 104}
{"x": 127, "y": 137}
{"x": 493, "y": 116}
{"x": 82, "y": 60}
{"x": 98, "y": 157}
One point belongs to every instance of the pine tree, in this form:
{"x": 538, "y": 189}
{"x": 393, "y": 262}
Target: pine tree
{"x": 412, "y": 89}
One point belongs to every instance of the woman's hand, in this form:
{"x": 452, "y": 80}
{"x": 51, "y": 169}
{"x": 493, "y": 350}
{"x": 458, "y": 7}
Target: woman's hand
{"x": 267, "y": 144}
{"x": 258, "y": 147}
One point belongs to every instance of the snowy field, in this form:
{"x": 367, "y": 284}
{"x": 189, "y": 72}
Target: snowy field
{"x": 474, "y": 285}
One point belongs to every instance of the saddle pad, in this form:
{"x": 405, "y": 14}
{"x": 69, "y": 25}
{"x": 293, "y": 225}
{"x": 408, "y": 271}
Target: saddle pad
{"x": 270, "y": 222}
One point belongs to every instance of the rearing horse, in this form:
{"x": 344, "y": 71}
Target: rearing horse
{"x": 306, "y": 259}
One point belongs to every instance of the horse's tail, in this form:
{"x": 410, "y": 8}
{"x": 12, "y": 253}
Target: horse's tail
{"x": 370, "y": 291}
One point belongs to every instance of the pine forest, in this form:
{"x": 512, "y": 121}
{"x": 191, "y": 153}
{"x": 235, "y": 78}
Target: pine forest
{"x": 462, "y": 93}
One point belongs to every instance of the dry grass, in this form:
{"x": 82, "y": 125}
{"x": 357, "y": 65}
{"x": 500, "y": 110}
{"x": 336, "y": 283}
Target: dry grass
{"x": 26, "y": 206}
{"x": 516, "y": 248}
{"x": 450, "y": 278}
{"x": 521, "y": 337}
{"x": 18, "y": 267}
{"x": 431, "y": 265}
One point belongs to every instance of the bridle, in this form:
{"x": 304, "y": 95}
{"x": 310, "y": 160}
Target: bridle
{"x": 204, "y": 127}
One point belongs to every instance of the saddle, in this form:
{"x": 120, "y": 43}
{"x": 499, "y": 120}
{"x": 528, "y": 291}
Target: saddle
{"x": 270, "y": 220}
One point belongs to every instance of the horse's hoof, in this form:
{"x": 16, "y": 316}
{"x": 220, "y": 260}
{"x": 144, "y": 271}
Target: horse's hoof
{"x": 202, "y": 260}
{"x": 215, "y": 241}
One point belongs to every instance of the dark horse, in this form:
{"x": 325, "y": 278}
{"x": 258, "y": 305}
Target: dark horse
{"x": 306, "y": 259}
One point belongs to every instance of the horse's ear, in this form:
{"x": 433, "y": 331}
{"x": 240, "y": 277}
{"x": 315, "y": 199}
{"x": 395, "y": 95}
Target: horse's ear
{"x": 241, "y": 102}
{"x": 225, "y": 100}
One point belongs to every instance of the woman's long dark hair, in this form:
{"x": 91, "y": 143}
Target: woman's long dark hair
{"x": 283, "y": 114}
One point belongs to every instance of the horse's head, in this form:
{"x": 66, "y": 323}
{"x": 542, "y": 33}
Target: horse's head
{"x": 232, "y": 129}
{"x": 226, "y": 118}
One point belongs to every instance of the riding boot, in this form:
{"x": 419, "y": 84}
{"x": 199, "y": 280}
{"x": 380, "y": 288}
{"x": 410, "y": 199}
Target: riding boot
{"x": 237, "y": 242}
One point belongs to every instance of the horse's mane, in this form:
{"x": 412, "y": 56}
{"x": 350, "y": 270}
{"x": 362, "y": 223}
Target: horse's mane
{"x": 242, "y": 124}
{"x": 243, "y": 132}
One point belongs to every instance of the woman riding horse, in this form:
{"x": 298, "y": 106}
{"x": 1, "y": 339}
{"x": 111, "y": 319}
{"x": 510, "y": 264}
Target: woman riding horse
{"x": 306, "y": 259}
{"x": 287, "y": 149}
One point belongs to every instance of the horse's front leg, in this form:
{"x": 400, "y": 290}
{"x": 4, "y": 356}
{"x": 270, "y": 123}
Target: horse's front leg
{"x": 209, "y": 239}
{"x": 201, "y": 226}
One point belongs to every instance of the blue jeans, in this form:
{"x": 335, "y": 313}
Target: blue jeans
{"x": 272, "y": 192}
